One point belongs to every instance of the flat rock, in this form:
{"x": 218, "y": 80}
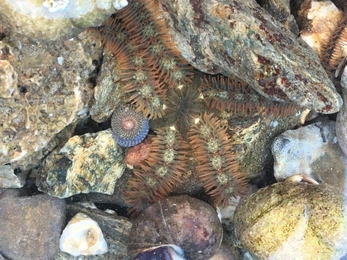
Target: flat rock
{"x": 30, "y": 226}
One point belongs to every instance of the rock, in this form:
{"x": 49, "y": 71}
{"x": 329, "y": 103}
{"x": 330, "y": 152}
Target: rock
{"x": 87, "y": 163}
{"x": 114, "y": 228}
{"x": 311, "y": 151}
{"x": 280, "y": 10}
{"x": 252, "y": 137}
{"x": 30, "y": 226}
{"x": 44, "y": 89}
{"x": 242, "y": 39}
{"x": 82, "y": 236}
{"x": 293, "y": 221}
{"x": 52, "y": 20}
{"x": 107, "y": 93}
{"x": 8, "y": 179}
{"x": 341, "y": 120}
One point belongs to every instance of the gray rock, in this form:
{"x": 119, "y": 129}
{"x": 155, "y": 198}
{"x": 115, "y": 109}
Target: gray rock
{"x": 341, "y": 119}
{"x": 53, "y": 20}
{"x": 30, "y": 227}
{"x": 87, "y": 163}
{"x": 8, "y": 179}
{"x": 312, "y": 151}
{"x": 240, "y": 38}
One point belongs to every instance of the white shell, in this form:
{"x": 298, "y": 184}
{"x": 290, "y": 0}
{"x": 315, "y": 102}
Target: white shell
{"x": 82, "y": 236}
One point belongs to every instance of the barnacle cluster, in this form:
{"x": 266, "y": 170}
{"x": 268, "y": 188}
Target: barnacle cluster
{"x": 162, "y": 86}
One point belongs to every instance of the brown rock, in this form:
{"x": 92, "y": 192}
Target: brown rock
{"x": 30, "y": 226}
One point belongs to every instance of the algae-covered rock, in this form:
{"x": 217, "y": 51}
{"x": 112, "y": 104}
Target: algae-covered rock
{"x": 87, "y": 163}
{"x": 293, "y": 221}
{"x": 44, "y": 90}
{"x": 55, "y": 19}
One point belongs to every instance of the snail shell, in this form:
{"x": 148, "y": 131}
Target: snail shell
{"x": 179, "y": 222}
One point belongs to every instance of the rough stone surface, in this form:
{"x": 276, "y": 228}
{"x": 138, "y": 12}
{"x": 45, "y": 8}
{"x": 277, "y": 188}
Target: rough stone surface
{"x": 107, "y": 92}
{"x": 8, "y": 179}
{"x": 280, "y": 10}
{"x": 30, "y": 226}
{"x": 48, "y": 21}
{"x": 114, "y": 228}
{"x": 252, "y": 137}
{"x": 312, "y": 151}
{"x": 341, "y": 121}
{"x": 44, "y": 90}
{"x": 293, "y": 221}
{"x": 242, "y": 39}
{"x": 87, "y": 163}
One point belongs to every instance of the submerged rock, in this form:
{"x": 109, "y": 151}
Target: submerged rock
{"x": 30, "y": 226}
{"x": 87, "y": 163}
{"x": 8, "y": 178}
{"x": 311, "y": 151}
{"x": 55, "y": 19}
{"x": 293, "y": 221}
{"x": 241, "y": 38}
{"x": 44, "y": 90}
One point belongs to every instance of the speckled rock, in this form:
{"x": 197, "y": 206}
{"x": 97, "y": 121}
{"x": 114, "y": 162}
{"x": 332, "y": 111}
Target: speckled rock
{"x": 242, "y": 39}
{"x": 87, "y": 163}
{"x": 55, "y": 19}
{"x": 293, "y": 221}
{"x": 107, "y": 92}
{"x": 280, "y": 10}
{"x": 30, "y": 227}
{"x": 312, "y": 151}
{"x": 44, "y": 90}
{"x": 252, "y": 137}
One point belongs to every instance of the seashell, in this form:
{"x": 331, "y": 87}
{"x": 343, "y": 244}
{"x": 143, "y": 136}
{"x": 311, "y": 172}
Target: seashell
{"x": 178, "y": 227}
{"x": 82, "y": 236}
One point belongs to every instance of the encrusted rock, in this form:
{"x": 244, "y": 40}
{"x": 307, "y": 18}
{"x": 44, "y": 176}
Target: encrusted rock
{"x": 311, "y": 151}
{"x": 293, "y": 221}
{"x": 240, "y": 38}
{"x": 280, "y": 10}
{"x": 55, "y": 19}
{"x": 87, "y": 163}
{"x": 44, "y": 90}
{"x": 252, "y": 137}
{"x": 107, "y": 92}
{"x": 30, "y": 226}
